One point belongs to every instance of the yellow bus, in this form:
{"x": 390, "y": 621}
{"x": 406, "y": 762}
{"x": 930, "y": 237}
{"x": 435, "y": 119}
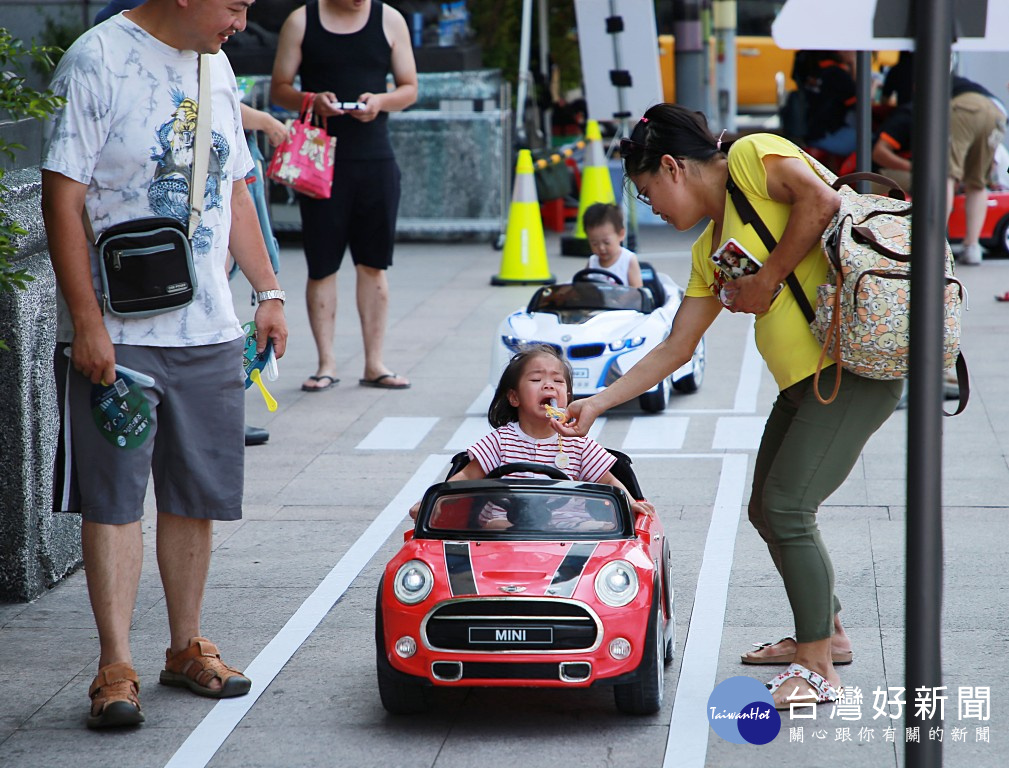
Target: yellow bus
{"x": 758, "y": 59}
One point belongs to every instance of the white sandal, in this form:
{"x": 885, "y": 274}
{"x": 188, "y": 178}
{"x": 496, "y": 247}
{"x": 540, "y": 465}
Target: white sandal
{"x": 824, "y": 691}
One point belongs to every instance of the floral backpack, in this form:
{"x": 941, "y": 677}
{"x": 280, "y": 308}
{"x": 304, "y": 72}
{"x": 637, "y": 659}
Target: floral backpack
{"x": 862, "y": 314}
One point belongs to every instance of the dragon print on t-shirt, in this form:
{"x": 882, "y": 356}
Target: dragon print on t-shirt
{"x": 168, "y": 194}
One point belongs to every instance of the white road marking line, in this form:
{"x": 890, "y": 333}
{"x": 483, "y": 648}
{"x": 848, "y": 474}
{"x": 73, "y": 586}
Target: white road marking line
{"x": 203, "y": 743}
{"x": 749, "y": 376}
{"x": 471, "y": 430}
{"x": 597, "y": 428}
{"x": 482, "y": 402}
{"x": 646, "y": 432}
{"x": 687, "y": 744}
{"x": 397, "y": 433}
{"x": 739, "y": 433}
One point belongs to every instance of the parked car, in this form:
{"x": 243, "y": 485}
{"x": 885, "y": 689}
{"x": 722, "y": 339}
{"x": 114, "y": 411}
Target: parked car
{"x": 564, "y": 588}
{"x": 994, "y": 232}
{"x": 603, "y": 328}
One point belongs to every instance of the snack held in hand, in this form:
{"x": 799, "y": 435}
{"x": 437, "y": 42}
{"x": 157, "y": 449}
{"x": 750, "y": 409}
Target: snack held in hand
{"x": 554, "y": 412}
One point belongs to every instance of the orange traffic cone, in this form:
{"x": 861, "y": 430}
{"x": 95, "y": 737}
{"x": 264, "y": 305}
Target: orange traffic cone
{"x": 596, "y": 188}
{"x": 524, "y": 258}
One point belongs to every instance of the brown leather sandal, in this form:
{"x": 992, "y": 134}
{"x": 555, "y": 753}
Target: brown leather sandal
{"x": 197, "y": 666}
{"x": 115, "y": 697}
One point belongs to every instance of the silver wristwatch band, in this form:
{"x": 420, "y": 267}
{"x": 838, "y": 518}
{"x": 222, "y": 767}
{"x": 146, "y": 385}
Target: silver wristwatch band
{"x": 262, "y": 296}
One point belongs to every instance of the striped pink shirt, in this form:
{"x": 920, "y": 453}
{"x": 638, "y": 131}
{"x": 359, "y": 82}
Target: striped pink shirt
{"x": 587, "y": 460}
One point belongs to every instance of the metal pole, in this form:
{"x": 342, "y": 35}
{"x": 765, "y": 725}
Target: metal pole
{"x": 863, "y": 114}
{"x": 623, "y": 116}
{"x": 725, "y": 62}
{"x": 523, "y": 78}
{"x": 543, "y": 16}
{"x": 690, "y": 77}
{"x": 930, "y": 138}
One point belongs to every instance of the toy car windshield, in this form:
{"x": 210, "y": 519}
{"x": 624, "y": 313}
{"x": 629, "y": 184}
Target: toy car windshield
{"x": 587, "y": 295}
{"x": 547, "y": 513}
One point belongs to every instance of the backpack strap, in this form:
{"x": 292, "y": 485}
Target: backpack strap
{"x": 962, "y": 385}
{"x": 748, "y": 215}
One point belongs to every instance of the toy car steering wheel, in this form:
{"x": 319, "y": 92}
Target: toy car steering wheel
{"x": 585, "y": 276}
{"x": 526, "y": 466}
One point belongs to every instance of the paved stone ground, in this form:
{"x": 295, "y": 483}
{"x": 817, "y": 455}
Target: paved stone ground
{"x": 311, "y": 494}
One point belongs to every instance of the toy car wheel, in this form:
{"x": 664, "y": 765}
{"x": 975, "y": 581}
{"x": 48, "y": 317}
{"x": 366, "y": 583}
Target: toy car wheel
{"x": 399, "y": 697}
{"x": 644, "y": 697}
{"x": 692, "y": 381}
{"x": 1002, "y": 238}
{"x": 670, "y": 603}
{"x": 653, "y": 402}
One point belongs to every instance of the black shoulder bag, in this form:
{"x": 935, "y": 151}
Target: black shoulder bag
{"x": 146, "y": 264}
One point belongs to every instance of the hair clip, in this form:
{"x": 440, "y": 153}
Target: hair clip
{"x": 718, "y": 143}
{"x": 643, "y": 120}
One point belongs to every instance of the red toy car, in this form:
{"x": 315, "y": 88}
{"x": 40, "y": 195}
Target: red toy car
{"x": 995, "y": 232}
{"x": 527, "y": 582}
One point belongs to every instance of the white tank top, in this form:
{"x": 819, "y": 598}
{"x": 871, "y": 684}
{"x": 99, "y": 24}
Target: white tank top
{"x": 620, "y": 267}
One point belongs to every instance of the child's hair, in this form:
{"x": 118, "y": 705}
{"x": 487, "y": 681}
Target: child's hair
{"x": 668, "y": 129}
{"x": 598, "y": 214}
{"x": 502, "y": 412}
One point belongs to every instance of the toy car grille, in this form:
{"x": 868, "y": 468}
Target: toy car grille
{"x": 584, "y": 351}
{"x": 489, "y": 626}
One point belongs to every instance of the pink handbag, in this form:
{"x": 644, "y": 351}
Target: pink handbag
{"x": 304, "y": 161}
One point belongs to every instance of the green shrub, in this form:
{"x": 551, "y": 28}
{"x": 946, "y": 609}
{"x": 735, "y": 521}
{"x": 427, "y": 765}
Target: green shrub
{"x": 18, "y": 101}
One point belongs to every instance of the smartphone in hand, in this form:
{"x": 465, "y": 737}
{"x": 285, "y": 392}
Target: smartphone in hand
{"x": 733, "y": 262}
{"x": 352, "y": 105}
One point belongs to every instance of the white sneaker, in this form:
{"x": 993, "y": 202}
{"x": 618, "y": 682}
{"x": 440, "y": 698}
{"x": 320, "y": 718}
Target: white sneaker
{"x": 971, "y": 255}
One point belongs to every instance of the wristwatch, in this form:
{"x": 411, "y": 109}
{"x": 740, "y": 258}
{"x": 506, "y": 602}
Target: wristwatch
{"x": 276, "y": 293}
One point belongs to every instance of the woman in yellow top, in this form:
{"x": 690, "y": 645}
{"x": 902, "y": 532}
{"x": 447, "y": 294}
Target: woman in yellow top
{"x": 807, "y": 449}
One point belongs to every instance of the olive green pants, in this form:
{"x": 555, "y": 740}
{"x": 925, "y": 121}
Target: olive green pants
{"x": 806, "y": 452}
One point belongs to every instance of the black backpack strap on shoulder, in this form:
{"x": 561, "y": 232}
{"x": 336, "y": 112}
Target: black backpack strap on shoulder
{"x": 748, "y": 215}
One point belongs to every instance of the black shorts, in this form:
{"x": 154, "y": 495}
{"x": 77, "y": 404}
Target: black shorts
{"x": 360, "y": 213}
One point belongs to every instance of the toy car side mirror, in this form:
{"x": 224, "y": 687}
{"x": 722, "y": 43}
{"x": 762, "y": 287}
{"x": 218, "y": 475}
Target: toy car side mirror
{"x": 407, "y": 535}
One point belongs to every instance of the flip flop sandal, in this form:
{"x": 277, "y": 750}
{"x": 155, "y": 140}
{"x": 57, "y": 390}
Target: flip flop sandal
{"x": 823, "y": 692}
{"x": 1002, "y": 297}
{"x": 330, "y": 383}
{"x": 751, "y": 657}
{"x": 115, "y": 697}
{"x": 197, "y": 666}
{"x": 379, "y": 382}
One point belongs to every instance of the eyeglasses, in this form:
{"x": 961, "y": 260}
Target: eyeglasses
{"x": 644, "y": 199}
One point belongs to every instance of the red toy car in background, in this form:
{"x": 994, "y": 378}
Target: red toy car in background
{"x": 527, "y": 582}
{"x": 995, "y": 232}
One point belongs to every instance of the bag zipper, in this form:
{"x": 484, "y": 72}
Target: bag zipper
{"x": 120, "y": 253}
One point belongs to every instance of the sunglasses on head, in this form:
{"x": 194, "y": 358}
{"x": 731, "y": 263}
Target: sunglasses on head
{"x": 630, "y": 147}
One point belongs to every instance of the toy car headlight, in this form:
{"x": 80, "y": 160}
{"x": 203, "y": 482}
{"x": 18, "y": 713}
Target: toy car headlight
{"x": 413, "y": 582}
{"x": 637, "y": 341}
{"x": 617, "y": 583}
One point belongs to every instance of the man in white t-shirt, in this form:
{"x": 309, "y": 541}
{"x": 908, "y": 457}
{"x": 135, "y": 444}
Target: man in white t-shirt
{"x": 122, "y": 147}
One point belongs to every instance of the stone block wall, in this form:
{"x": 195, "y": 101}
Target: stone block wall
{"x": 37, "y": 548}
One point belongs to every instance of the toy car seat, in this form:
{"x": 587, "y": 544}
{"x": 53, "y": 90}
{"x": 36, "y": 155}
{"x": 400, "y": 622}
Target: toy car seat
{"x": 650, "y": 278}
{"x": 621, "y": 470}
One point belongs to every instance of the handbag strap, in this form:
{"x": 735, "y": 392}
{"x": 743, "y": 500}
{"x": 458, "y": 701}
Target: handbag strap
{"x": 748, "y": 215}
{"x": 201, "y": 153}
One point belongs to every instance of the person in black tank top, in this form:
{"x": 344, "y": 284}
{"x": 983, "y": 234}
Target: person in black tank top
{"x": 342, "y": 51}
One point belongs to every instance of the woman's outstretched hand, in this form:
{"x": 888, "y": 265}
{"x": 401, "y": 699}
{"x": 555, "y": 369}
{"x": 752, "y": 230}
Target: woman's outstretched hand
{"x": 581, "y": 415}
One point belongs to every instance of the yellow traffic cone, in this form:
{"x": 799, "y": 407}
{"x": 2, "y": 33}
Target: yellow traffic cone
{"x": 524, "y": 258}
{"x": 596, "y": 188}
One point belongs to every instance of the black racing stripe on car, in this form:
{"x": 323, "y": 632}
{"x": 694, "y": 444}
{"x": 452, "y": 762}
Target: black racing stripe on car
{"x": 570, "y": 570}
{"x": 460, "y": 568}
